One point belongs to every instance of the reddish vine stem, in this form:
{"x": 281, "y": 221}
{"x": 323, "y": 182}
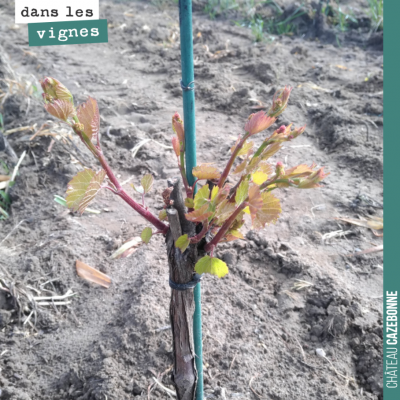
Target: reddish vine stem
{"x": 225, "y": 227}
{"x": 121, "y": 193}
{"x": 200, "y": 235}
{"x": 228, "y": 167}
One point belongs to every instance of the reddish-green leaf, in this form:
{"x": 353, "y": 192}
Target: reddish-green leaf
{"x": 270, "y": 150}
{"x": 88, "y": 115}
{"x": 224, "y": 211}
{"x": 201, "y": 197}
{"x": 300, "y": 171}
{"x": 182, "y": 242}
{"x": 83, "y": 188}
{"x": 233, "y": 235}
{"x": 61, "y": 109}
{"x": 176, "y": 145}
{"x": 147, "y": 183}
{"x": 269, "y": 212}
{"x": 206, "y": 171}
{"x": 241, "y": 167}
{"x": 213, "y": 266}
{"x": 255, "y": 200}
{"x": 146, "y": 235}
{"x": 242, "y": 192}
{"x": 199, "y": 215}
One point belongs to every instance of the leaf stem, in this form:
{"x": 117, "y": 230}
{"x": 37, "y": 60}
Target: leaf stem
{"x": 201, "y": 234}
{"x": 261, "y": 149}
{"x": 228, "y": 167}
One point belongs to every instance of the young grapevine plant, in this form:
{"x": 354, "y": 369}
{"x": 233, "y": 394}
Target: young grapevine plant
{"x": 219, "y": 207}
{"x": 198, "y": 223}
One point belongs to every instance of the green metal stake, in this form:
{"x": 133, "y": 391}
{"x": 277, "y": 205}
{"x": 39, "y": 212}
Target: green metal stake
{"x": 185, "y": 20}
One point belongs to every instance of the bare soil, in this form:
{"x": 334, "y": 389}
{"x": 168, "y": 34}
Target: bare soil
{"x": 260, "y": 335}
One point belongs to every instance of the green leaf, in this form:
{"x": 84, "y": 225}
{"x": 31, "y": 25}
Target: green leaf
{"x": 242, "y": 192}
{"x": 213, "y": 266}
{"x": 146, "y": 235}
{"x": 5, "y": 197}
{"x": 4, "y": 214}
{"x": 147, "y": 183}
{"x": 214, "y": 192}
{"x": 182, "y": 242}
{"x": 138, "y": 189}
{"x": 201, "y": 197}
{"x": 189, "y": 203}
{"x": 162, "y": 216}
{"x": 82, "y": 189}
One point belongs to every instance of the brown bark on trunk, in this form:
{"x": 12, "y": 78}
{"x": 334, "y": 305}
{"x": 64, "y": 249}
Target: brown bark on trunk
{"x": 181, "y": 268}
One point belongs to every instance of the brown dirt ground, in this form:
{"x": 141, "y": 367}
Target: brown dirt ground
{"x": 260, "y": 335}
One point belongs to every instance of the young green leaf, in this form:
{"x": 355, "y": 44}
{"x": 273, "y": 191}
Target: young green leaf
{"x": 182, "y": 242}
{"x": 146, "y": 235}
{"x": 147, "y": 183}
{"x": 214, "y": 192}
{"x": 199, "y": 215}
{"x": 242, "y": 192}
{"x": 189, "y": 203}
{"x": 201, "y": 197}
{"x": 83, "y": 188}
{"x": 259, "y": 177}
{"x": 205, "y": 171}
{"x": 162, "y": 216}
{"x": 138, "y": 189}
{"x": 213, "y": 266}
{"x": 88, "y": 115}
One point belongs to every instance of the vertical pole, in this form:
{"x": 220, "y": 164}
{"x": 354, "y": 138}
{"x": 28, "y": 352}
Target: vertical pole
{"x": 186, "y": 34}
